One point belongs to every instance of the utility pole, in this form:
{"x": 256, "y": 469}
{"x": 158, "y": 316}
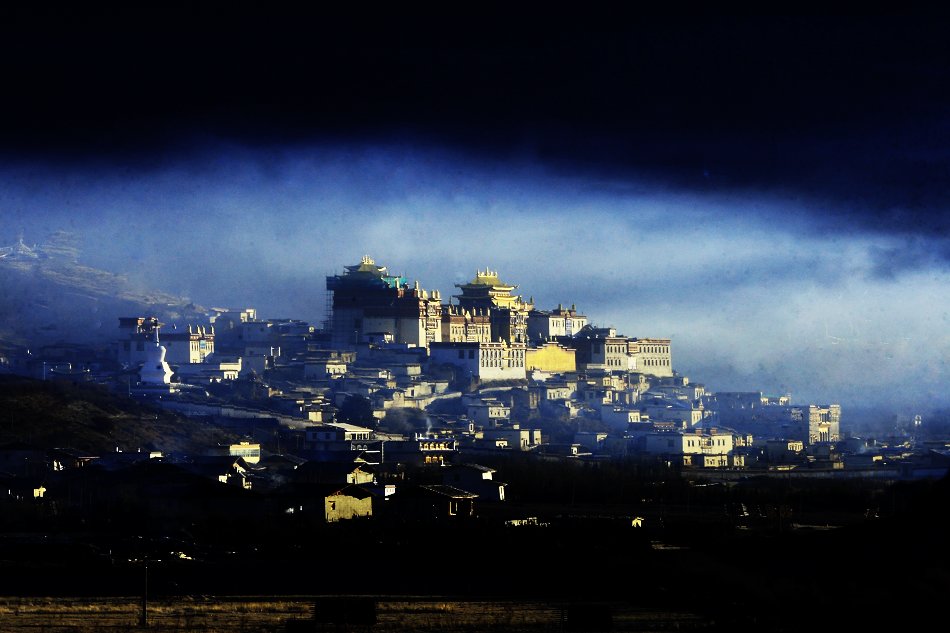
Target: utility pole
{"x": 143, "y": 622}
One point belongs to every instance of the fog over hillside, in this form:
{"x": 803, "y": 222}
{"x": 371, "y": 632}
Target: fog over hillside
{"x": 48, "y": 296}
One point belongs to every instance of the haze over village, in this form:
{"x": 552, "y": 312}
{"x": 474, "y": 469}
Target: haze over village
{"x": 756, "y": 290}
{"x": 487, "y": 358}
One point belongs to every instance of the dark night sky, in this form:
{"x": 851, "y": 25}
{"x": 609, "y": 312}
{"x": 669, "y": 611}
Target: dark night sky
{"x": 817, "y": 102}
{"x": 774, "y": 156}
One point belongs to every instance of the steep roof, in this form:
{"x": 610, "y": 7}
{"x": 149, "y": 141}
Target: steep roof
{"x": 452, "y": 492}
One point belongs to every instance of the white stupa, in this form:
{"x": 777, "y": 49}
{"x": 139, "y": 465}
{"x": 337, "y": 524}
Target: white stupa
{"x": 155, "y": 372}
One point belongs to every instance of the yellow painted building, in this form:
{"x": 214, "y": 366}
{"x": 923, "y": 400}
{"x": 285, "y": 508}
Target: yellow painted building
{"x": 349, "y": 503}
{"x": 550, "y": 357}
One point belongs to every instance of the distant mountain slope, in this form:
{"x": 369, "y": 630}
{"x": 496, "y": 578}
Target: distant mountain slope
{"x": 86, "y": 418}
{"x": 47, "y": 296}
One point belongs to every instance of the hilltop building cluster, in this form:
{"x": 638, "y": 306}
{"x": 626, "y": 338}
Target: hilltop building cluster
{"x": 396, "y": 377}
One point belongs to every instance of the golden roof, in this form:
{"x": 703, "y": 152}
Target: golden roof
{"x": 488, "y": 278}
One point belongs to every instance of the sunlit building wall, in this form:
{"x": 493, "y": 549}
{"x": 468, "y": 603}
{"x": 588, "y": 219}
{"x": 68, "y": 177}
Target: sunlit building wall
{"x": 461, "y": 325}
{"x": 484, "y": 361}
{"x": 551, "y": 357}
{"x": 545, "y": 325}
{"x": 507, "y": 313}
{"x": 651, "y": 355}
{"x": 824, "y": 423}
{"x": 185, "y": 346}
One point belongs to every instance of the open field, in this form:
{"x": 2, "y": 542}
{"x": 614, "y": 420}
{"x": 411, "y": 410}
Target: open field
{"x": 297, "y": 613}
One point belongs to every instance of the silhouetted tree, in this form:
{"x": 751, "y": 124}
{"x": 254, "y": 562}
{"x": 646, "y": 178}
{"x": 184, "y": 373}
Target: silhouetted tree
{"x": 356, "y": 410}
{"x": 404, "y": 420}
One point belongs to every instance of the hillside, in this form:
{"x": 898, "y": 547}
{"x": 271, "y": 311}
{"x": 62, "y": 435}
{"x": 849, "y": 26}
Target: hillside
{"x": 93, "y": 420}
{"x": 47, "y": 296}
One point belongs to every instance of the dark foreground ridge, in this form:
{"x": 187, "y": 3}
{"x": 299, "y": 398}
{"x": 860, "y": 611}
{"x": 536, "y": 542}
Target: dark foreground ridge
{"x": 773, "y": 580}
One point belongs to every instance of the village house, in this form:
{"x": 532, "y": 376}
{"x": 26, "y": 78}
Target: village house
{"x": 233, "y": 471}
{"x": 475, "y": 478}
{"x": 435, "y": 502}
{"x": 326, "y": 503}
{"x": 514, "y": 437}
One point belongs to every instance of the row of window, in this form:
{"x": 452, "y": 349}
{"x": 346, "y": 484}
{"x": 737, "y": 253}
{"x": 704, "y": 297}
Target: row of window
{"x": 500, "y": 362}
{"x": 706, "y": 442}
{"x": 435, "y": 446}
